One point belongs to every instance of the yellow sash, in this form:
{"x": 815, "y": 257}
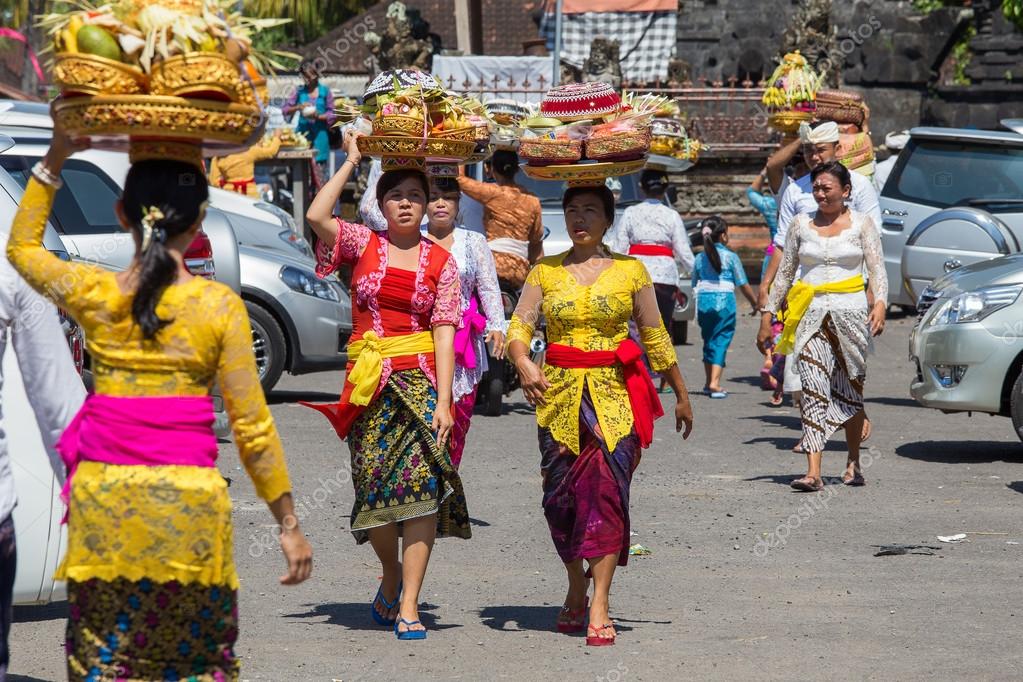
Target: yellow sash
{"x": 368, "y": 355}
{"x": 799, "y": 299}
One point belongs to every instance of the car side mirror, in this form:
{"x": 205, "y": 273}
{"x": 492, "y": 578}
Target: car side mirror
{"x": 546, "y": 232}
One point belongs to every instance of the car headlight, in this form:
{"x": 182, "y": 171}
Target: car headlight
{"x": 307, "y": 283}
{"x": 296, "y": 241}
{"x": 974, "y": 306}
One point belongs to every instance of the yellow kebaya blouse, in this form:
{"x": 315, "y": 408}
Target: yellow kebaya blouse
{"x": 592, "y": 315}
{"x": 165, "y": 522}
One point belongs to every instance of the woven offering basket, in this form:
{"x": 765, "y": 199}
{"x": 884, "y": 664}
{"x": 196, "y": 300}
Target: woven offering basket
{"x": 789, "y": 121}
{"x": 86, "y": 74}
{"x": 202, "y": 75}
{"x": 435, "y": 150}
{"x": 541, "y": 151}
{"x": 468, "y": 133}
{"x": 113, "y": 121}
{"x": 406, "y": 126}
{"x": 620, "y": 146}
{"x": 840, "y": 106}
{"x": 584, "y": 173}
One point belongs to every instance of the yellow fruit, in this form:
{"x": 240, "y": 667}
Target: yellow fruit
{"x": 68, "y": 39}
{"x": 74, "y": 24}
{"x": 208, "y": 44}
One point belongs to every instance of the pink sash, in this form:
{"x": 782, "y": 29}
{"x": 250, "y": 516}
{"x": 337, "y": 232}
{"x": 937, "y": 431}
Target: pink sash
{"x": 147, "y": 431}
{"x": 473, "y": 324}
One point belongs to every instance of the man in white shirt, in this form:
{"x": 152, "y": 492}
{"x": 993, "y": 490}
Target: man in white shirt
{"x": 29, "y": 323}
{"x": 894, "y": 142}
{"x": 820, "y": 145}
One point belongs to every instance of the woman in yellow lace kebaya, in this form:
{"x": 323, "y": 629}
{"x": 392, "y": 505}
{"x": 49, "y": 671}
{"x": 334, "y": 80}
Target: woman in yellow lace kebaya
{"x": 151, "y": 578}
{"x": 595, "y": 403}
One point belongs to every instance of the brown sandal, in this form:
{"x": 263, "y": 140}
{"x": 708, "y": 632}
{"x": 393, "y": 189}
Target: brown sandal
{"x": 807, "y": 484}
{"x": 854, "y": 481}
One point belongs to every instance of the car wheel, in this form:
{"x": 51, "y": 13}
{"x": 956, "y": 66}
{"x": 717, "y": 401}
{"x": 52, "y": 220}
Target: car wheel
{"x": 268, "y": 345}
{"x": 493, "y": 396}
{"x": 1016, "y": 406}
{"x": 680, "y": 333}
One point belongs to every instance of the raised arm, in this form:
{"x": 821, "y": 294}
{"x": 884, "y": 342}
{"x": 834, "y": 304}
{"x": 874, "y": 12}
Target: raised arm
{"x": 321, "y": 211}
{"x": 62, "y": 282}
{"x": 259, "y": 446}
{"x": 776, "y": 163}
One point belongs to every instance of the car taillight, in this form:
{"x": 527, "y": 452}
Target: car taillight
{"x": 199, "y": 257}
{"x": 75, "y": 339}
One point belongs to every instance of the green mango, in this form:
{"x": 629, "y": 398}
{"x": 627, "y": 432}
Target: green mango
{"x": 98, "y": 41}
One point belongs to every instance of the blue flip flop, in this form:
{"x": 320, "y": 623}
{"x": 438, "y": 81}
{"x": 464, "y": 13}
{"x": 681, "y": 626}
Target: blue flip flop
{"x": 408, "y": 634}
{"x": 380, "y": 620}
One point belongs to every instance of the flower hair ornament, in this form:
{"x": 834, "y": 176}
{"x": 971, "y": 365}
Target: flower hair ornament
{"x": 707, "y": 231}
{"x": 150, "y": 233}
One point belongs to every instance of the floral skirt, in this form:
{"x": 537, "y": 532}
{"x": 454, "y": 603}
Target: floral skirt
{"x": 586, "y": 496}
{"x": 145, "y": 630}
{"x": 398, "y": 471}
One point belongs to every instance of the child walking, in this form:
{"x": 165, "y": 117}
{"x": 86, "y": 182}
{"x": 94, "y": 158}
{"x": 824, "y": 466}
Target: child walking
{"x": 716, "y": 274}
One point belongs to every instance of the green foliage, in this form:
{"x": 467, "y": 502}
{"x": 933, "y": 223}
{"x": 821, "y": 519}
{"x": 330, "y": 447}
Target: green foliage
{"x": 928, "y": 6}
{"x": 1013, "y": 11}
{"x": 311, "y": 19}
{"x": 268, "y": 40}
{"x": 961, "y": 53}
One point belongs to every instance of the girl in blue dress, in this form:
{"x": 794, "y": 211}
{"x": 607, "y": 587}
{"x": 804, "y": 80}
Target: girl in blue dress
{"x": 716, "y": 274}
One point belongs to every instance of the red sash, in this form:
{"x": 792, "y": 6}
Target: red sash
{"x": 651, "y": 250}
{"x": 646, "y": 405}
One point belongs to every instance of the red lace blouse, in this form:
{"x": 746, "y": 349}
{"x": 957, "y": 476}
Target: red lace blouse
{"x": 390, "y": 301}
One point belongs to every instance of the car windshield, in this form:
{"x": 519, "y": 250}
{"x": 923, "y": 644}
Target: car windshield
{"x": 956, "y": 173}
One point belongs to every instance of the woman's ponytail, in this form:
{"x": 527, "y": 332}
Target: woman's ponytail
{"x": 162, "y": 200}
{"x": 712, "y": 229}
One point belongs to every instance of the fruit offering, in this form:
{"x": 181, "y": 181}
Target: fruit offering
{"x": 793, "y": 86}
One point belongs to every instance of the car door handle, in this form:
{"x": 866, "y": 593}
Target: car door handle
{"x": 889, "y": 211}
{"x": 952, "y": 264}
{"x": 893, "y": 224}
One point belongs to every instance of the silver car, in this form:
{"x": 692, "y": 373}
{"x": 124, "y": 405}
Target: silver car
{"x": 304, "y": 331}
{"x": 954, "y": 197}
{"x": 967, "y": 346}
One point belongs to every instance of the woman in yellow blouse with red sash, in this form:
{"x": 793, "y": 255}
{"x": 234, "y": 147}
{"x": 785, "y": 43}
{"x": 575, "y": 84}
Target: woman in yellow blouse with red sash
{"x": 595, "y": 402}
{"x": 149, "y": 566}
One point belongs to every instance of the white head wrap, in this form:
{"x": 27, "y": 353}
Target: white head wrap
{"x": 896, "y": 140}
{"x": 825, "y": 132}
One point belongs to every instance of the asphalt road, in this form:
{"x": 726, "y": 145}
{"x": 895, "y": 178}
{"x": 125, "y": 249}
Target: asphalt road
{"x": 746, "y": 579}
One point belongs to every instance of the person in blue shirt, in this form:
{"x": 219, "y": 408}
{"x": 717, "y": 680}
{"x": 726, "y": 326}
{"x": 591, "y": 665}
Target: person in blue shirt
{"x": 316, "y": 102}
{"x": 761, "y": 198}
{"x": 716, "y": 274}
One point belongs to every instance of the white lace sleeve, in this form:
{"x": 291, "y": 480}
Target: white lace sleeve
{"x": 787, "y": 270}
{"x": 486, "y": 282}
{"x": 873, "y": 256}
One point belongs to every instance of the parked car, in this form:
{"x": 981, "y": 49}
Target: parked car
{"x": 311, "y": 325}
{"x": 967, "y": 346}
{"x": 954, "y": 197}
{"x": 556, "y": 239}
{"x": 37, "y": 517}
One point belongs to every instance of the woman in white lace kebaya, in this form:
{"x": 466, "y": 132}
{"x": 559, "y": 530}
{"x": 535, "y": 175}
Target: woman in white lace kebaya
{"x": 828, "y": 325}
{"x": 482, "y": 309}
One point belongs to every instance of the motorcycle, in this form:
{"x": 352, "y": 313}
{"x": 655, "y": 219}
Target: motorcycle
{"x": 501, "y": 379}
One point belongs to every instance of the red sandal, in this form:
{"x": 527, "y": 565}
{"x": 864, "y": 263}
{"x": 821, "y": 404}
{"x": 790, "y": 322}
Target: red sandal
{"x": 593, "y": 637}
{"x": 571, "y": 621}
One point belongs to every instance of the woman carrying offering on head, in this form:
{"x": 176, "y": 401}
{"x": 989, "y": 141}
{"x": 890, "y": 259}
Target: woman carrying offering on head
{"x": 595, "y": 401}
{"x": 396, "y": 405}
{"x": 828, "y": 324}
{"x": 482, "y": 309}
{"x": 152, "y": 587}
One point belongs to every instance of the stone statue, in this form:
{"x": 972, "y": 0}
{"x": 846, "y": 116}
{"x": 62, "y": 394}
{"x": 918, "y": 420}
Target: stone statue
{"x": 604, "y": 63}
{"x": 679, "y": 71}
{"x": 816, "y": 39}
{"x": 406, "y": 42}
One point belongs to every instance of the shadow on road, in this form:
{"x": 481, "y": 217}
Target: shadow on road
{"x": 356, "y": 616}
{"x": 786, "y": 479}
{"x": 789, "y": 422}
{"x": 786, "y": 443}
{"x": 962, "y": 452}
{"x": 893, "y": 402}
{"x": 535, "y": 618}
{"x": 1015, "y": 485}
{"x": 508, "y": 408}
{"x": 24, "y": 678}
{"x": 40, "y": 613}
{"x": 278, "y": 397}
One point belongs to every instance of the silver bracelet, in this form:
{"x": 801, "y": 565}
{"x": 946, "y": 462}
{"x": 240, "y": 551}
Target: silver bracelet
{"x": 46, "y": 176}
